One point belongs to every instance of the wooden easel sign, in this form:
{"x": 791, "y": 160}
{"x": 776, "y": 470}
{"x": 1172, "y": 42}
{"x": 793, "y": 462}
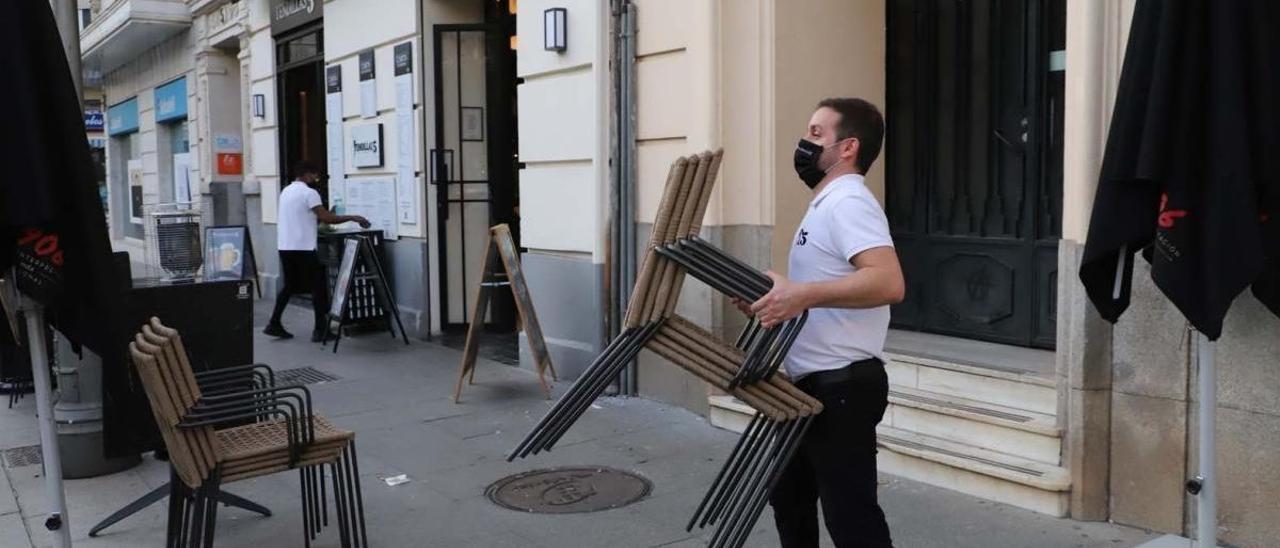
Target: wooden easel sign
{"x": 358, "y": 251}
{"x": 502, "y": 268}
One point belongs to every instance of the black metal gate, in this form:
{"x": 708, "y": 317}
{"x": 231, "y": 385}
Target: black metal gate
{"x": 974, "y": 173}
{"x": 473, "y": 165}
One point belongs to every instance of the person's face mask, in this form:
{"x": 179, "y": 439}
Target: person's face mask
{"x": 808, "y": 161}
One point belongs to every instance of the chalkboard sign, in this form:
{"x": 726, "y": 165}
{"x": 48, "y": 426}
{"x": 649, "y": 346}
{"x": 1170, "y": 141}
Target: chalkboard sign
{"x": 359, "y": 261}
{"x": 228, "y": 255}
{"x": 342, "y": 287}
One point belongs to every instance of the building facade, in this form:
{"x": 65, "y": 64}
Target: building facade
{"x": 1006, "y": 383}
{"x": 439, "y": 118}
{"x": 213, "y": 102}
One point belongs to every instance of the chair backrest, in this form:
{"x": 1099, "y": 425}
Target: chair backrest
{"x": 175, "y": 368}
{"x": 690, "y": 222}
{"x": 168, "y": 412}
{"x": 179, "y": 352}
{"x": 684, "y": 202}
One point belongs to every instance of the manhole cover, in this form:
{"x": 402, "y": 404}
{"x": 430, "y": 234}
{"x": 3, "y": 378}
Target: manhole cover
{"x": 304, "y": 375}
{"x": 22, "y": 456}
{"x": 568, "y": 490}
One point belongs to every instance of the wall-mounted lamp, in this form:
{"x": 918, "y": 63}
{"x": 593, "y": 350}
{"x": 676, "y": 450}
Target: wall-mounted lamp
{"x": 259, "y": 105}
{"x": 555, "y": 29}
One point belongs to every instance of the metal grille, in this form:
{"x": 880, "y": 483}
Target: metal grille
{"x": 304, "y": 375}
{"x": 22, "y": 456}
{"x": 179, "y": 241}
{"x": 173, "y": 234}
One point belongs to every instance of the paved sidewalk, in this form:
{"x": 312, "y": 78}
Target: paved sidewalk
{"x": 397, "y": 399}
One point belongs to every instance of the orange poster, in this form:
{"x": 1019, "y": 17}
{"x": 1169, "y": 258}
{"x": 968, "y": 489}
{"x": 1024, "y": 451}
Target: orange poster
{"x": 230, "y": 163}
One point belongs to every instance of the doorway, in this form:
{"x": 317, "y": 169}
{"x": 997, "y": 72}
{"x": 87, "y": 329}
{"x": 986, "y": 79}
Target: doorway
{"x": 300, "y": 103}
{"x": 974, "y": 176}
{"x": 474, "y": 165}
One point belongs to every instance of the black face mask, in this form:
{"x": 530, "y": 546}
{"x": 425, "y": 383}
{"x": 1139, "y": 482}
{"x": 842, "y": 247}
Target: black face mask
{"x": 806, "y": 162}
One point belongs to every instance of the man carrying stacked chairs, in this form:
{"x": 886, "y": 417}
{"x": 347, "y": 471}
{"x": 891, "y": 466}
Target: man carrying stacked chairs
{"x": 813, "y": 434}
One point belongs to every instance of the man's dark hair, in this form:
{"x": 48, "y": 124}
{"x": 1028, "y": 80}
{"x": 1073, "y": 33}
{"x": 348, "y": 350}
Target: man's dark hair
{"x": 304, "y": 167}
{"x": 862, "y": 120}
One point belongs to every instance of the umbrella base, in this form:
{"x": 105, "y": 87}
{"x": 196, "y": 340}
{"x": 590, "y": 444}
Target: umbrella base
{"x": 82, "y": 456}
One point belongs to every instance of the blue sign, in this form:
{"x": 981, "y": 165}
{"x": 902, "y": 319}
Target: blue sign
{"x": 123, "y": 117}
{"x": 94, "y": 120}
{"x": 171, "y": 100}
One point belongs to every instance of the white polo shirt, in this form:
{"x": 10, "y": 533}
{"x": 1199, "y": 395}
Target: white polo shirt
{"x": 297, "y": 226}
{"x": 843, "y": 220}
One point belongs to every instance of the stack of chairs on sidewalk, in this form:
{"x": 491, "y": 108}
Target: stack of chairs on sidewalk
{"x": 747, "y": 370}
{"x": 234, "y": 424}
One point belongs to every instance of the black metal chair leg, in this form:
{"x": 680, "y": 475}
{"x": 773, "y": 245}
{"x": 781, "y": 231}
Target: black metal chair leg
{"x": 314, "y": 500}
{"x": 355, "y": 486}
{"x": 156, "y": 495}
{"x": 195, "y": 528}
{"x": 160, "y": 493}
{"x": 240, "y": 502}
{"x": 211, "y": 516}
{"x": 184, "y": 532}
{"x": 324, "y": 500}
{"x": 339, "y": 503}
{"x": 306, "y": 508}
{"x": 349, "y": 508}
{"x": 308, "y": 500}
{"x": 176, "y": 510}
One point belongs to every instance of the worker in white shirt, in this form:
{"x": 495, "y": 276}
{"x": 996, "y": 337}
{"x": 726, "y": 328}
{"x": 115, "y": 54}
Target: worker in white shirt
{"x": 843, "y": 269}
{"x": 300, "y": 213}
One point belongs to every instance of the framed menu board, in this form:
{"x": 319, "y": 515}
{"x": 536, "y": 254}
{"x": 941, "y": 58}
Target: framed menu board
{"x": 228, "y": 255}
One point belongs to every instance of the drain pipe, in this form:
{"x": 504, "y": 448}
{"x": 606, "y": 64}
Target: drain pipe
{"x": 623, "y": 245}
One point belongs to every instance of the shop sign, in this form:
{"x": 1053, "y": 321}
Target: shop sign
{"x": 366, "y": 145}
{"x": 289, "y": 14}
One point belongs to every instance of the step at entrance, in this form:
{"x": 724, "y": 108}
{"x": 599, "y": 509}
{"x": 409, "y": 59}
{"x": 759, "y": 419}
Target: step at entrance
{"x": 986, "y": 432}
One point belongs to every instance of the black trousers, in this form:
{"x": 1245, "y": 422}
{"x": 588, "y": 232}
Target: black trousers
{"x": 836, "y": 463}
{"x": 303, "y": 273}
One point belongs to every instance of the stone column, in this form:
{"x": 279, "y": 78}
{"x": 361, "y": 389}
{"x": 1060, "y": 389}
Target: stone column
{"x": 1096, "y": 34}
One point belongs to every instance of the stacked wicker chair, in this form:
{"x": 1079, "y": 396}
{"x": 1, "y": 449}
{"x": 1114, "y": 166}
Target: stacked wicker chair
{"x": 747, "y": 369}
{"x": 234, "y": 424}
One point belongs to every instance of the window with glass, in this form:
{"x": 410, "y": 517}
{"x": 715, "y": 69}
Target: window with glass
{"x": 177, "y": 162}
{"x": 125, "y": 155}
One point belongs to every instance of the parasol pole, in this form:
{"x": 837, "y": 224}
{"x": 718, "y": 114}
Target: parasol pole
{"x": 57, "y": 523}
{"x": 1205, "y": 485}
{"x": 1207, "y": 498}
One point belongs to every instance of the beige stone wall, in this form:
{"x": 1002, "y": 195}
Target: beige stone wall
{"x": 827, "y": 48}
{"x": 1096, "y": 35}
{"x": 677, "y": 106}
{"x": 168, "y": 61}
{"x": 564, "y": 131}
{"x": 679, "y": 59}
{"x": 1129, "y": 391}
{"x": 262, "y": 160}
{"x": 743, "y": 75}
